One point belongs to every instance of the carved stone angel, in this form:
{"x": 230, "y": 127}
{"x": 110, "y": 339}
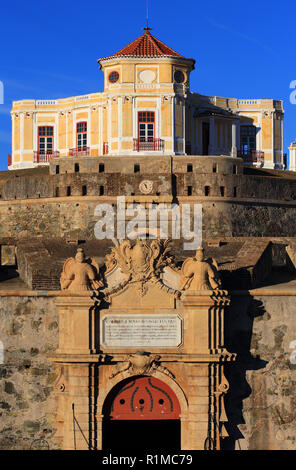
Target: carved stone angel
{"x": 80, "y": 274}
{"x": 199, "y": 274}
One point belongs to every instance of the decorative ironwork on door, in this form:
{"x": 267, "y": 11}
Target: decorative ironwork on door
{"x": 142, "y": 398}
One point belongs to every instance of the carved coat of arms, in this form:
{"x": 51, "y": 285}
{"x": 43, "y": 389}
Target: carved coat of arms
{"x": 142, "y": 261}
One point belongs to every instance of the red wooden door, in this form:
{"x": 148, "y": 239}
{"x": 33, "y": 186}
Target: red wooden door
{"x": 142, "y": 398}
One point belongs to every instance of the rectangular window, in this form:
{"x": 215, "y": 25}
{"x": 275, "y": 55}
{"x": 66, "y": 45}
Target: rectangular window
{"x": 45, "y": 139}
{"x": 81, "y": 130}
{"x": 146, "y": 121}
{"x": 247, "y": 139}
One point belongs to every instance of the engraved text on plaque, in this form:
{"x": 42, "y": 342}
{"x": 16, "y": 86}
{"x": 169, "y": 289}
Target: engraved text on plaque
{"x": 138, "y": 330}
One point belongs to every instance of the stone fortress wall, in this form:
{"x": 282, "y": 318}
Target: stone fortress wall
{"x": 170, "y": 175}
{"x": 27, "y": 377}
{"x": 60, "y": 200}
{"x": 261, "y": 394}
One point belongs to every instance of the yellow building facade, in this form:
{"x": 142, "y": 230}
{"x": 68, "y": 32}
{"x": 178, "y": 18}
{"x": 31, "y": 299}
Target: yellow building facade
{"x": 147, "y": 108}
{"x": 292, "y": 161}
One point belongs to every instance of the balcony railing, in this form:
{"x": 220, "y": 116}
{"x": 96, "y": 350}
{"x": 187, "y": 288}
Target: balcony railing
{"x": 42, "y": 156}
{"x": 148, "y": 144}
{"x": 79, "y": 152}
{"x": 252, "y": 156}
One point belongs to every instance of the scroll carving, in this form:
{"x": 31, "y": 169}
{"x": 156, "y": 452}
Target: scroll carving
{"x": 140, "y": 363}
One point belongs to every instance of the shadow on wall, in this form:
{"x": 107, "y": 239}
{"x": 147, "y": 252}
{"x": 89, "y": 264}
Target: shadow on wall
{"x": 239, "y": 320}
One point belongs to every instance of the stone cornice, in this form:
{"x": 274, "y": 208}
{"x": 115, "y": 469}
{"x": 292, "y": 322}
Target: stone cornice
{"x": 151, "y": 60}
{"x": 263, "y": 291}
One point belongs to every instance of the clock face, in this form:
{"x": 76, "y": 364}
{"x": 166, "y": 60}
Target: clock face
{"x": 146, "y": 186}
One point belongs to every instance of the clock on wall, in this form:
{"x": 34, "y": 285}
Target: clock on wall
{"x": 146, "y": 186}
{"x": 179, "y": 76}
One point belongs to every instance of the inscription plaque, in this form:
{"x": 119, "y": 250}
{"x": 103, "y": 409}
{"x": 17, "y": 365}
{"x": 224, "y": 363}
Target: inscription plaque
{"x": 138, "y": 330}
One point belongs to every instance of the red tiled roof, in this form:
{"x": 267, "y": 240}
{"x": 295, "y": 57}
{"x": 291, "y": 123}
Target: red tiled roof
{"x": 147, "y": 46}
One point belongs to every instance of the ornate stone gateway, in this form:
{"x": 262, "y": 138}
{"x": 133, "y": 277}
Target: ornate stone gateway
{"x": 141, "y": 341}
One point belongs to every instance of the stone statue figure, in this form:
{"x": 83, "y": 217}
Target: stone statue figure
{"x": 80, "y": 274}
{"x": 199, "y": 274}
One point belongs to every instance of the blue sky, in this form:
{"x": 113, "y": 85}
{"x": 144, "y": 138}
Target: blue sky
{"x": 243, "y": 49}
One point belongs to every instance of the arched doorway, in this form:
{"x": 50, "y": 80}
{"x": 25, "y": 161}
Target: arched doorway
{"x": 141, "y": 412}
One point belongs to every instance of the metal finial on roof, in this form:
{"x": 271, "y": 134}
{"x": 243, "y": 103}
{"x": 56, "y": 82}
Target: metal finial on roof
{"x": 147, "y": 18}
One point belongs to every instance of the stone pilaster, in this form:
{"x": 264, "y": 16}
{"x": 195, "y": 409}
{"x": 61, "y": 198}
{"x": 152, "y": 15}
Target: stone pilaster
{"x": 77, "y": 324}
{"x": 206, "y": 382}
